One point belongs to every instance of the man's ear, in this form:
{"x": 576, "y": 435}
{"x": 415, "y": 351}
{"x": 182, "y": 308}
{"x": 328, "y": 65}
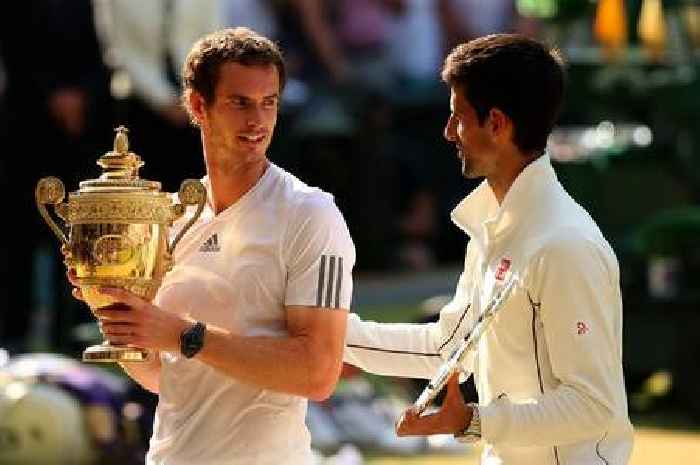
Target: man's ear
{"x": 197, "y": 105}
{"x": 500, "y": 124}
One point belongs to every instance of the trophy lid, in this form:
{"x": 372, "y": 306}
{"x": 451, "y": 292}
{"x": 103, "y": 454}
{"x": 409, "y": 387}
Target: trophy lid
{"x": 120, "y": 170}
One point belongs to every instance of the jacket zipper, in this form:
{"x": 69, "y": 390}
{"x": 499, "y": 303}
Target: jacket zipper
{"x": 534, "y": 306}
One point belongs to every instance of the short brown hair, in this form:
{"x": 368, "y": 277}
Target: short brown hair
{"x": 239, "y": 45}
{"x": 518, "y": 75}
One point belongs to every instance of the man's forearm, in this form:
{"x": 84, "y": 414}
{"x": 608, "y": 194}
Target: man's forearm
{"x": 564, "y": 415}
{"x": 291, "y": 364}
{"x": 392, "y": 349}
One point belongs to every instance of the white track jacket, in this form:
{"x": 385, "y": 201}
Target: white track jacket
{"x": 548, "y": 370}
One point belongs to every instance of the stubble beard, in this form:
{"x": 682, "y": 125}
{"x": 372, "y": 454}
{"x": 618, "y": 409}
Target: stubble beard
{"x": 467, "y": 168}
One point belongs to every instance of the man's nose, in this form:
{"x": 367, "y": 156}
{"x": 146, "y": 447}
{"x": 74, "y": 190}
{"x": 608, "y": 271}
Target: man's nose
{"x": 254, "y": 115}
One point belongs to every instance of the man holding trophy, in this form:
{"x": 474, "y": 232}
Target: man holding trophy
{"x": 537, "y": 271}
{"x": 250, "y": 321}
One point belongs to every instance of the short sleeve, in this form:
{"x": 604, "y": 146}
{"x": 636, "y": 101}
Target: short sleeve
{"x": 319, "y": 255}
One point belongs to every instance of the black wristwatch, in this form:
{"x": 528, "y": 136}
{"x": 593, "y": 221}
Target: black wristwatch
{"x": 192, "y": 339}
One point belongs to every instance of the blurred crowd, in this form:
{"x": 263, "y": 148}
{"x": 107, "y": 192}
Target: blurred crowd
{"x": 361, "y": 116}
{"x": 55, "y": 410}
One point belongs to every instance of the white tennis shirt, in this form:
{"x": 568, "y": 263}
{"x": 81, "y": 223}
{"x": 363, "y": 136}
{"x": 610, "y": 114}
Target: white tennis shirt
{"x": 283, "y": 243}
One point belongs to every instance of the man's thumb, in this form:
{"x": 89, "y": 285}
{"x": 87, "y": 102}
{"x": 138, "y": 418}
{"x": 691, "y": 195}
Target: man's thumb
{"x": 453, "y": 393}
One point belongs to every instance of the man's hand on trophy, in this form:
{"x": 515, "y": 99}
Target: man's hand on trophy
{"x": 136, "y": 322}
{"x": 70, "y": 272}
{"x": 73, "y": 279}
{"x": 453, "y": 416}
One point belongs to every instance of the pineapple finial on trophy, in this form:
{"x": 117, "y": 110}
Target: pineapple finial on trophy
{"x": 121, "y": 140}
{"x": 120, "y": 163}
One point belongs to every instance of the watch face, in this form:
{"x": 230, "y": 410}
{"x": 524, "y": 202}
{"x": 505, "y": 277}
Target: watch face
{"x": 192, "y": 340}
{"x": 190, "y": 343}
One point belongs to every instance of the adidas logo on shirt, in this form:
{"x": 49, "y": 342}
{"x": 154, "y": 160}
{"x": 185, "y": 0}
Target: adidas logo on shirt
{"x": 211, "y": 244}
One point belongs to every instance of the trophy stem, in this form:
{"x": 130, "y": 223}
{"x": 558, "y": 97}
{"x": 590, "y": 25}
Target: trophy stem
{"x": 107, "y": 353}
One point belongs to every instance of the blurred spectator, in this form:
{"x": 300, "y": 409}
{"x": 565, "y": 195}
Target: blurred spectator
{"x": 3, "y": 81}
{"x": 60, "y": 411}
{"x": 311, "y": 43}
{"x": 145, "y": 44}
{"x": 57, "y": 104}
{"x": 258, "y": 15}
{"x": 354, "y": 58}
{"x": 342, "y": 42}
{"x": 466, "y": 19}
{"x": 363, "y": 28}
{"x": 416, "y": 22}
{"x": 5, "y": 275}
{"x": 71, "y": 76}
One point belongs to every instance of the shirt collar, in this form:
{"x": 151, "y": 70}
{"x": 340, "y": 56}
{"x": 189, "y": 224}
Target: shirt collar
{"x": 271, "y": 171}
{"x": 479, "y": 214}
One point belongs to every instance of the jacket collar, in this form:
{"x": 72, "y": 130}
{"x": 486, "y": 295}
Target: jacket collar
{"x": 480, "y": 216}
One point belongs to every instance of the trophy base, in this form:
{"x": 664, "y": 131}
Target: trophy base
{"x": 105, "y": 353}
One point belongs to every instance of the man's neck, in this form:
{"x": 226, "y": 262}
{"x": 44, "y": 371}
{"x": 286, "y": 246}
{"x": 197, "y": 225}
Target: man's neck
{"x": 231, "y": 182}
{"x": 507, "y": 174}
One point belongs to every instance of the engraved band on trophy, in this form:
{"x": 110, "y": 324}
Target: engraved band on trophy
{"x": 118, "y": 232}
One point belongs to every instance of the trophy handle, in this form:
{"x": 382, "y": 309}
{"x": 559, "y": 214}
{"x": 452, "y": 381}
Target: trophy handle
{"x": 191, "y": 192}
{"x": 51, "y": 190}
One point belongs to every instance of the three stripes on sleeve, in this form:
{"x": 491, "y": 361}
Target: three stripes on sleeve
{"x": 330, "y": 281}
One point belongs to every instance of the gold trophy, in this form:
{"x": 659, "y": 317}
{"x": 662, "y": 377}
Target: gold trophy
{"x": 118, "y": 232}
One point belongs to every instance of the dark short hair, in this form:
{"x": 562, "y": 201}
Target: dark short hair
{"x": 238, "y": 45}
{"x": 518, "y": 75}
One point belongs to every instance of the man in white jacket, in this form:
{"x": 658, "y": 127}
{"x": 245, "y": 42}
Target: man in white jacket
{"x": 548, "y": 370}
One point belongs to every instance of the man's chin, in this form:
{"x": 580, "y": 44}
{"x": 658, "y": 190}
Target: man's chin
{"x": 254, "y": 152}
{"x": 468, "y": 169}
{"x": 468, "y": 173}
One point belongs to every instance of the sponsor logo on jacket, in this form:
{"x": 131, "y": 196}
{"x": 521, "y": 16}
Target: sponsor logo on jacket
{"x": 502, "y": 269}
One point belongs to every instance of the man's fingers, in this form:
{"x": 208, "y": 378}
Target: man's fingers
{"x": 121, "y": 333}
{"x": 118, "y": 330}
{"x": 117, "y": 327}
{"x": 117, "y": 334}
{"x": 414, "y": 426}
{"x": 130, "y": 340}
{"x": 65, "y": 250}
{"x": 73, "y": 279}
{"x": 67, "y": 256}
{"x": 72, "y": 276}
{"x": 124, "y": 334}
{"x": 453, "y": 394}
{"x": 114, "y": 314}
{"x": 123, "y": 296}
{"x": 411, "y": 423}
{"x": 120, "y": 340}
{"x": 78, "y": 294}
